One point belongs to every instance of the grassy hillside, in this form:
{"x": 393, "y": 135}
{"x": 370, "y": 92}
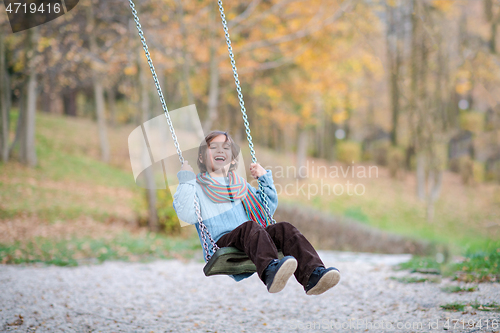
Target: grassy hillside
{"x": 72, "y": 206}
{"x": 68, "y": 181}
{"x": 465, "y": 216}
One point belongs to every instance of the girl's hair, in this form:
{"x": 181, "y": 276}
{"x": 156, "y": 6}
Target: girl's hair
{"x": 202, "y": 151}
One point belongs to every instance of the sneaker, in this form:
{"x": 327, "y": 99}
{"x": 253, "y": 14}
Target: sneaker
{"x": 278, "y": 272}
{"x": 321, "y": 280}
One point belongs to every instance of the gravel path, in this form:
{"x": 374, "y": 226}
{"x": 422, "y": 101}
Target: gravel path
{"x": 172, "y": 296}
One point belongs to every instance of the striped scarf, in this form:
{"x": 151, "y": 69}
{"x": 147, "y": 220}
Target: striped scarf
{"x": 235, "y": 190}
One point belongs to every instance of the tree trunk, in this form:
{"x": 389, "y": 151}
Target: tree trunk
{"x": 20, "y": 126}
{"x": 151, "y": 198}
{"x": 421, "y": 175}
{"x": 185, "y": 56}
{"x": 287, "y": 136}
{"x": 330, "y": 139}
{"x": 145, "y": 116}
{"x": 492, "y": 19}
{"x": 435, "y": 181}
{"x": 412, "y": 104}
{"x": 145, "y": 102}
{"x": 98, "y": 88}
{"x": 418, "y": 94}
{"x": 69, "y": 102}
{"x": 302, "y": 153}
{"x": 4, "y": 104}
{"x": 319, "y": 136}
{"x": 394, "y": 59}
{"x": 46, "y": 102}
{"x": 112, "y": 106}
{"x": 395, "y": 98}
{"x": 155, "y": 106}
{"x": 30, "y": 157}
{"x": 101, "y": 119}
{"x": 213, "y": 94}
{"x": 28, "y": 152}
{"x": 348, "y": 109}
{"x": 493, "y": 38}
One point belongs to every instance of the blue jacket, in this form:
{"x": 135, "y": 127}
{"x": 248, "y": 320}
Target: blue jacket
{"x": 219, "y": 218}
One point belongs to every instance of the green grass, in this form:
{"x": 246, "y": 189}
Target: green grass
{"x": 493, "y": 307}
{"x": 416, "y": 263}
{"x": 402, "y": 218}
{"x": 49, "y": 205}
{"x": 60, "y": 166}
{"x": 481, "y": 263}
{"x": 124, "y": 246}
{"x": 456, "y": 306}
{"x": 48, "y": 191}
{"x": 458, "y": 289}
{"x": 63, "y": 146}
{"x": 357, "y": 214}
{"x": 412, "y": 279}
{"x": 391, "y": 205}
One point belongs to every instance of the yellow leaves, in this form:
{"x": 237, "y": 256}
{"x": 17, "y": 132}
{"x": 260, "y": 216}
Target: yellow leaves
{"x": 463, "y": 87}
{"x": 307, "y": 111}
{"x": 272, "y": 92}
{"x": 443, "y": 5}
{"x": 43, "y": 43}
{"x": 463, "y": 74}
{"x": 232, "y": 99}
{"x": 472, "y": 121}
{"x": 340, "y": 117}
{"x": 463, "y": 84}
{"x": 20, "y": 61}
{"x": 230, "y": 16}
{"x": 486, "y": 68}
{"x": 391, "y": 3}
{"x": 279, "y": 116}
{"x": 373, "y": 64}
{"x": 356, "y": 66}
{"x": 130, "y": 70}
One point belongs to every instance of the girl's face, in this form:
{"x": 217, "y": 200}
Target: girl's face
{"x": 218, "y": 155}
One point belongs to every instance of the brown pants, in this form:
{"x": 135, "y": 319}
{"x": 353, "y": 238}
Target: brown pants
{"x": 261, "y": 244}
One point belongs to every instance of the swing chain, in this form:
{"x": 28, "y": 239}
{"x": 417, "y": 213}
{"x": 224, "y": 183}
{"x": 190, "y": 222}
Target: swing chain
{"x": 242, "y": 107}
{"x": 157, "y": 83}
{"x": 171, "y": 127}
{"x": 203, "y": 228}
{"x": 204, "y": 232}
{"x": 266, "y": 204}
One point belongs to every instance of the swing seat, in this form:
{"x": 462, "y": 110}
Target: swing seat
{"x": 230, "y": 261}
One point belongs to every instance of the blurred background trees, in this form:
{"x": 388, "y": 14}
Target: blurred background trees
{"x": 408, "y": 84}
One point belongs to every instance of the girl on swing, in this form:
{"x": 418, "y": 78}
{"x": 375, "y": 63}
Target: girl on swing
{"x": 234, "y": 216}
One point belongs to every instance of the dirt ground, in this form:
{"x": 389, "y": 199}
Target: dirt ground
{"x": 175, "y": 296}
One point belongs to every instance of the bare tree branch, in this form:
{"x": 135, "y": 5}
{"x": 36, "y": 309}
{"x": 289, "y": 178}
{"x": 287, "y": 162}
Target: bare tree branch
{"x": 252, "y": 22}
{"x": 311, "y": 28}
{"x": 243, "y": 16}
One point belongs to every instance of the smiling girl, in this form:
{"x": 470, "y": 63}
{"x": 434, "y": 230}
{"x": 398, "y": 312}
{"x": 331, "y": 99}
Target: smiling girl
{"x": 235, "y": 216}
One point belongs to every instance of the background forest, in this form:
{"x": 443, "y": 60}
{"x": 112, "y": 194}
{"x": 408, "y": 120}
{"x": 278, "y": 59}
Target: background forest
{"x": 409, "y": 86}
